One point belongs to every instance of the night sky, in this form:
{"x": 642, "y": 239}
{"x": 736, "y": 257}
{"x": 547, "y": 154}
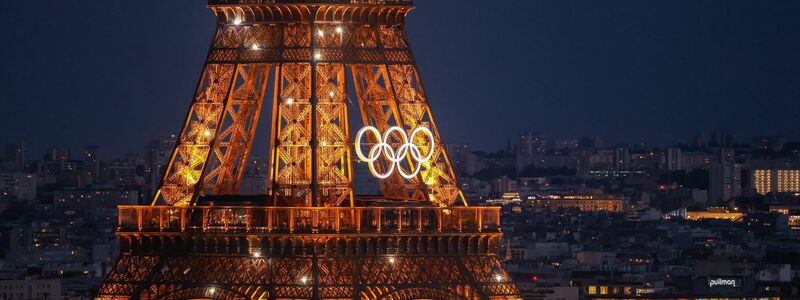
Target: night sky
{"x": 119, "y": 73}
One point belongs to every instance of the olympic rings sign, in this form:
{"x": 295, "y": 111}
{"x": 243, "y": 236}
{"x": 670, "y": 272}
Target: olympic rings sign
{"x": 382, "y": 148}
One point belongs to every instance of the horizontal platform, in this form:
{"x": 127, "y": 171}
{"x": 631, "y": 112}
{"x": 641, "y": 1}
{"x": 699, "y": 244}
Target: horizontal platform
{"x": 247, "y": 277}
{"x": 312, "y": 2}
{"x": 334, "y": 220}
{"x": 351, "y": 56}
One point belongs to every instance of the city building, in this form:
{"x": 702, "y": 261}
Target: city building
{"x": 674, "y": 158}
{"x": 530, "y": 149}
{"x": 695, "y": 160}
{"x": 587, "y": 203}
{"x": 122, "y": 174}
{"x": 45, "y": 289}
{"x": 504, "y": 184}
{"x": 766, "y": 181}
{"x": 622, "y": 159}
{"x": 57, "y": 153}
{"x": 769, "y": 143}
{"x": 715, "y": 213}
{"x": 157, "y": 154}
{"x": 725, "y": 177}
{"x": 91, "y": 164}
{"x": 18, "y": 186}
{"x": 15, "y": 156}
{"x": 589, "y": 142}
{"x": 462, "y": 159}
{"x": 90, "y": 200}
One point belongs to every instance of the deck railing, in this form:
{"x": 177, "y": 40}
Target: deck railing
{"x": 357, "y": 2}
{"x": 260, "y": 219}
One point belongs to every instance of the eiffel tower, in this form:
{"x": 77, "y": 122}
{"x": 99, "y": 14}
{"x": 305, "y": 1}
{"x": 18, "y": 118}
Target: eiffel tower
{"x": 310, "y": 237}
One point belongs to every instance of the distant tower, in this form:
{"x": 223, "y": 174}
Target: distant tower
{"x": 622, "y": 158}
{"x": 725, "y": 177}
{"x": 57, "y": 154}
{"x": 310, "y": 237}
{"x": 674, "y": 158}
{"x": 15, "y": 155}
{"x": 157, "y": 154}
{"x": 91, "y": 164}
{"x": 530, "y": 149}
{"x": 462, "y": 159}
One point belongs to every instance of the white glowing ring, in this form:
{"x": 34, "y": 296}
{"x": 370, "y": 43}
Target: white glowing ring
{"x": 382, "y": 148}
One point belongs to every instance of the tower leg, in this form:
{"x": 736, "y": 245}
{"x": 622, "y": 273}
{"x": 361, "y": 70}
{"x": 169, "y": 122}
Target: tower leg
{"x": 437, "y": 173}
{"x": 379, "y": 109}
{"x": 334, "y": 164}
{"x": 291, "y": 162}
{"x": 392, "y": 95}
{"x": 194, "y": 143}
{"x": 233, "y": 142}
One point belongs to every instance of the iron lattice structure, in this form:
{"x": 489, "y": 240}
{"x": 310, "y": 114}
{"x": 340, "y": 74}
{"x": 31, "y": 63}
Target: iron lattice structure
{"x": 305, "y": 50}
{"x": 259, "y": 252}
{"x": 306, "y": 239}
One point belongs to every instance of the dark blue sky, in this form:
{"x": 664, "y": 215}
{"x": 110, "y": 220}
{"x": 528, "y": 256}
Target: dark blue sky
{"x": 119, "y": 73}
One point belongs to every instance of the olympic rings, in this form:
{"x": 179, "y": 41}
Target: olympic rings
{"x": 394, "y": 156}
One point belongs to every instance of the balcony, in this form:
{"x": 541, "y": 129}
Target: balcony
{"x": 304, "y": 220}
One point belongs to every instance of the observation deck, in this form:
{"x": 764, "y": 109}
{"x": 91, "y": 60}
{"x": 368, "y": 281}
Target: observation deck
{"x": 280, "y": 220}
{"x": 260, "y": 229}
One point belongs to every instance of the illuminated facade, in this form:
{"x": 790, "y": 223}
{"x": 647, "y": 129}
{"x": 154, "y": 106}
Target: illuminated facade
{"x": 762, "y": 181}
{"x": 587, "y": 203}
{"x": 310, "y": 237}
{"x": 767, "y": 181}
{"x": 794, "y": 222}
{"x": 622, "y": 291}
{"x": 714, "y": 215}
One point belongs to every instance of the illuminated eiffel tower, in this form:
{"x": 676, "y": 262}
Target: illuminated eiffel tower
{"x": 310, "y": 237}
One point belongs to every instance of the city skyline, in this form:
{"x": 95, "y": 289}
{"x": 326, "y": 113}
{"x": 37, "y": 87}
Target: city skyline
{"x": 354, "y": 149}
{"x": 75, "y": 151}
{"x": 621, "y": 72}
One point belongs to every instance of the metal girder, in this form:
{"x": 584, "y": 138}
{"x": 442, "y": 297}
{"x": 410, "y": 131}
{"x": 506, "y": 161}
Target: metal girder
{"x": 194, "y": 144}
{"x": 233, "y": 142}
{"x": 263, "y": 252}
{"x": 305, "y": 50}
{"x": 311, "y": 161}
{"x": 243, "y": 277}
